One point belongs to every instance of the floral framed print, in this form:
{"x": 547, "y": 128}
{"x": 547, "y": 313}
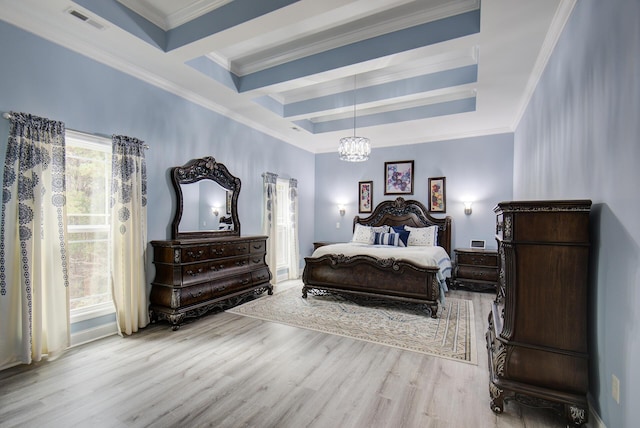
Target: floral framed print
{"x": 398, "y": 178}
{"x": 365, "y": 196}
{"x": 438, "y": 194}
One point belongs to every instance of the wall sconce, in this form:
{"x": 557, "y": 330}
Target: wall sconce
{"x": 467, "y": 207}
{"x": 341, "y": 209}
{"x": 215, "y": 211}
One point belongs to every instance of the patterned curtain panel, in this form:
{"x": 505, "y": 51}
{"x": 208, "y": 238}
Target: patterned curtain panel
{"x": 294, "y": 251}
{"x": 34, "y": 319}
{"x": 129, "y": 234}
{"x": 269, "y": 220}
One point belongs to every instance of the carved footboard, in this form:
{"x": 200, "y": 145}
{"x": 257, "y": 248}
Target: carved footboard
{"x": 368, "y": 276}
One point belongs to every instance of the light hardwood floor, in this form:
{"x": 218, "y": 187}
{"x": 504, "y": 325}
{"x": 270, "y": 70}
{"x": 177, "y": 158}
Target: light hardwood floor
{"x": 226, "y": 370}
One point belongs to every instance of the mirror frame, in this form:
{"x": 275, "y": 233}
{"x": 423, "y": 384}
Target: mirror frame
{"x": 195, "y": 170}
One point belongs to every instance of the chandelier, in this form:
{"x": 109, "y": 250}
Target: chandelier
{"x": 354, "y": 149}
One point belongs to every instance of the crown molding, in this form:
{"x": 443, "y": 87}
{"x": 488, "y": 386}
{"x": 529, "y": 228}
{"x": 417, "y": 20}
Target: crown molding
{"x": 175, "y": 19}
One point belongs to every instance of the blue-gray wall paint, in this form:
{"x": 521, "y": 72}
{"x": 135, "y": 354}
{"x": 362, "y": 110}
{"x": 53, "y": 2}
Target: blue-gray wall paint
{"x": 44, "y": 79}
{"x": 580, "y": 138}
{"x": 477, "y": 169}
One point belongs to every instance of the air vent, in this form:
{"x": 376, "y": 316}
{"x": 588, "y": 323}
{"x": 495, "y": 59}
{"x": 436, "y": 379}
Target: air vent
{"x": 84, "y": 18}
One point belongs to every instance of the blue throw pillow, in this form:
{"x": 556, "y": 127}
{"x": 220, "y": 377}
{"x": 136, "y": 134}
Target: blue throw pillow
{"x": 404, "y": 235}
{"x": 404, "y": 238}
{"x": 382, "y": 238}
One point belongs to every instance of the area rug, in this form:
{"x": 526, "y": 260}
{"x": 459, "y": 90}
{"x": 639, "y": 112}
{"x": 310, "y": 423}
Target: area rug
{"x": 406, "y": 326}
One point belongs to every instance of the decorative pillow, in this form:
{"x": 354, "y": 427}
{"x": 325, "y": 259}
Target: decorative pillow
{"x": 381, "y": 238}
{"x": 404, "y": 238}
{"x": 423, "y": 236}
{"x": 362, "y": 234}
{"x": 381, "y": 229}
{"x": 398, "y": 229}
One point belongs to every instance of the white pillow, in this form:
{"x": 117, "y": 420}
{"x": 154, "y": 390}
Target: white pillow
{"x": 362, "y": 234}
{"x": 422, "y": 236}
{"x": 380, "y": 229}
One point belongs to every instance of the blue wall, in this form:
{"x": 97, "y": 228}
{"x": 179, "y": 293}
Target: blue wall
{"x": 477, "y": 169}
{"x": 44, "y": 79}
{"x": 580, "y": 138}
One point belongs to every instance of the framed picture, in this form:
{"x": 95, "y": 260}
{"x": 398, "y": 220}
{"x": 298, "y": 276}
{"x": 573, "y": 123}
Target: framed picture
{"x": 398, "y": 178}
{"x": 438, "y": 194}
{"x": 229, "y": 194}
{"x": 365, "y": 196}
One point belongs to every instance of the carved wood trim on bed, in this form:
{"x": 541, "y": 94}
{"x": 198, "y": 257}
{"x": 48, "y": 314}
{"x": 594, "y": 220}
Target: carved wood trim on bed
{"x": 411, "y": 213}
{"x": 389, "y": 278}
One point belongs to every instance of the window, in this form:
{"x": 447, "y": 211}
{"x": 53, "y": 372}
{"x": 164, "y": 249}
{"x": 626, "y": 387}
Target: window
{"x": 88, "y": 175}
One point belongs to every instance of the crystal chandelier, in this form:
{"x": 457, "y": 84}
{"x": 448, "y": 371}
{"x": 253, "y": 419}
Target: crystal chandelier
{"x": 354, "y": 149}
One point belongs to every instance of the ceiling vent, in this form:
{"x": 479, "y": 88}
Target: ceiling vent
{"x": 84, "y": 18}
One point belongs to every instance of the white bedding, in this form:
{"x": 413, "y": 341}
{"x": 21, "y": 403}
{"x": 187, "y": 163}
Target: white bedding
{"x": 418, "y": 255}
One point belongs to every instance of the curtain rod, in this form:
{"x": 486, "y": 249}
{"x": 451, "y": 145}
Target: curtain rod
{"x": 8, "y": 116}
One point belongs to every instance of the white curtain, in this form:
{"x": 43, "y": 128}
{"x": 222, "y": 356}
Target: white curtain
{"x": 34, "y": 320}
{"x": 269, "y": 220}
{"x": 294, "y": 253}
{"x": 129, "y": 234}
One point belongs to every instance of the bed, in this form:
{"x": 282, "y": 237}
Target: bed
{"x": 386, "y": 271}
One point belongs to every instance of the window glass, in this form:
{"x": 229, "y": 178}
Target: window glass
{"x": 88, "y": 175}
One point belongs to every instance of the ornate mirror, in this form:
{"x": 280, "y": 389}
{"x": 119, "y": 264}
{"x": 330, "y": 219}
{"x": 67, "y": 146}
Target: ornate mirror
{"x": 207, "y": 199}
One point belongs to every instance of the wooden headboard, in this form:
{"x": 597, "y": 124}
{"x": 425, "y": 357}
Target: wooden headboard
{"x": 409, "y": 213}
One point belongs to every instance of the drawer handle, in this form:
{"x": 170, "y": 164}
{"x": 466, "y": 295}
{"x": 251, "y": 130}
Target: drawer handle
{"x": 195, "y": 255}
{"x": 257, "y": 260}
{"x": 257, "y": 246}
{"x": 244, "y": 282}
{"x": 241, "y": 248}
{"x": 261, "y": 277}
{"x": 241, "y": 262}
{"x": 216, "y": 268}
{"x": 196, "y": 295}
{"x": 192, "y": 273}
{"x": 217, "y": 251}
{"x": 220, "y": 288}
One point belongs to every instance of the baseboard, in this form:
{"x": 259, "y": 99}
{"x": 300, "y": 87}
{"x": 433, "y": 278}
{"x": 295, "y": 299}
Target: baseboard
{"x": 92, "y": 334}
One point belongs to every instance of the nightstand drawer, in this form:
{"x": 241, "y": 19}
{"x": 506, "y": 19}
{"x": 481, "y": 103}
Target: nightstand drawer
{"x": 477, "y": 273}
{"x": 477, "y": 259}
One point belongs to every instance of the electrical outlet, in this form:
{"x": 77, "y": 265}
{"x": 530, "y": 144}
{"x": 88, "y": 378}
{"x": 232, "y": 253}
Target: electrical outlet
{"x": 338, "y": 225}
{"x": 615, "y": 388}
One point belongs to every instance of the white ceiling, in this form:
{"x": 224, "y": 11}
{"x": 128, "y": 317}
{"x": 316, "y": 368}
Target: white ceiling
{"x": 287, "y": 67}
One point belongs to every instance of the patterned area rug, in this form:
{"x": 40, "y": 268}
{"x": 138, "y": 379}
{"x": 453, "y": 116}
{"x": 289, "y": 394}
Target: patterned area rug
{"x": 400, "y": 325}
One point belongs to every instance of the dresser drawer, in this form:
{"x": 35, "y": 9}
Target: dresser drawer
{"x": 262, "y": 275}
{"x": 477, "y": 259}
{"x": 205, "y": 252}
{"x": 207, "y": 291}
{"x": 198, "y": 272}
{"x": 258, "y": 247}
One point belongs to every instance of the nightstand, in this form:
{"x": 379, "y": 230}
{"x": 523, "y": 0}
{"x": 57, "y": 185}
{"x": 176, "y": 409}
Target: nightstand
{"x": 476, "y": 269}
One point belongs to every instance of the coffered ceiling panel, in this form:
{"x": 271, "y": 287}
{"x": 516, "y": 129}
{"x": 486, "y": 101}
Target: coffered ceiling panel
{"x": 412, "y": 71}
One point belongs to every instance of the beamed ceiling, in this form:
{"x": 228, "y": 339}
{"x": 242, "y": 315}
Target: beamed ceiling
{"x": 423, "y": 70}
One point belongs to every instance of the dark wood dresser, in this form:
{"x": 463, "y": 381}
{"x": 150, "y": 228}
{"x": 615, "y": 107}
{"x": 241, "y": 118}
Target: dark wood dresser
{"x": 475, "y": 269}
{"x": 537, "y": 336}
{"x": 194, "y": 276}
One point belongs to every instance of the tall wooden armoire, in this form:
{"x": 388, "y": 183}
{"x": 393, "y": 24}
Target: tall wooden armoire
{"x": 537, "y": 336}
